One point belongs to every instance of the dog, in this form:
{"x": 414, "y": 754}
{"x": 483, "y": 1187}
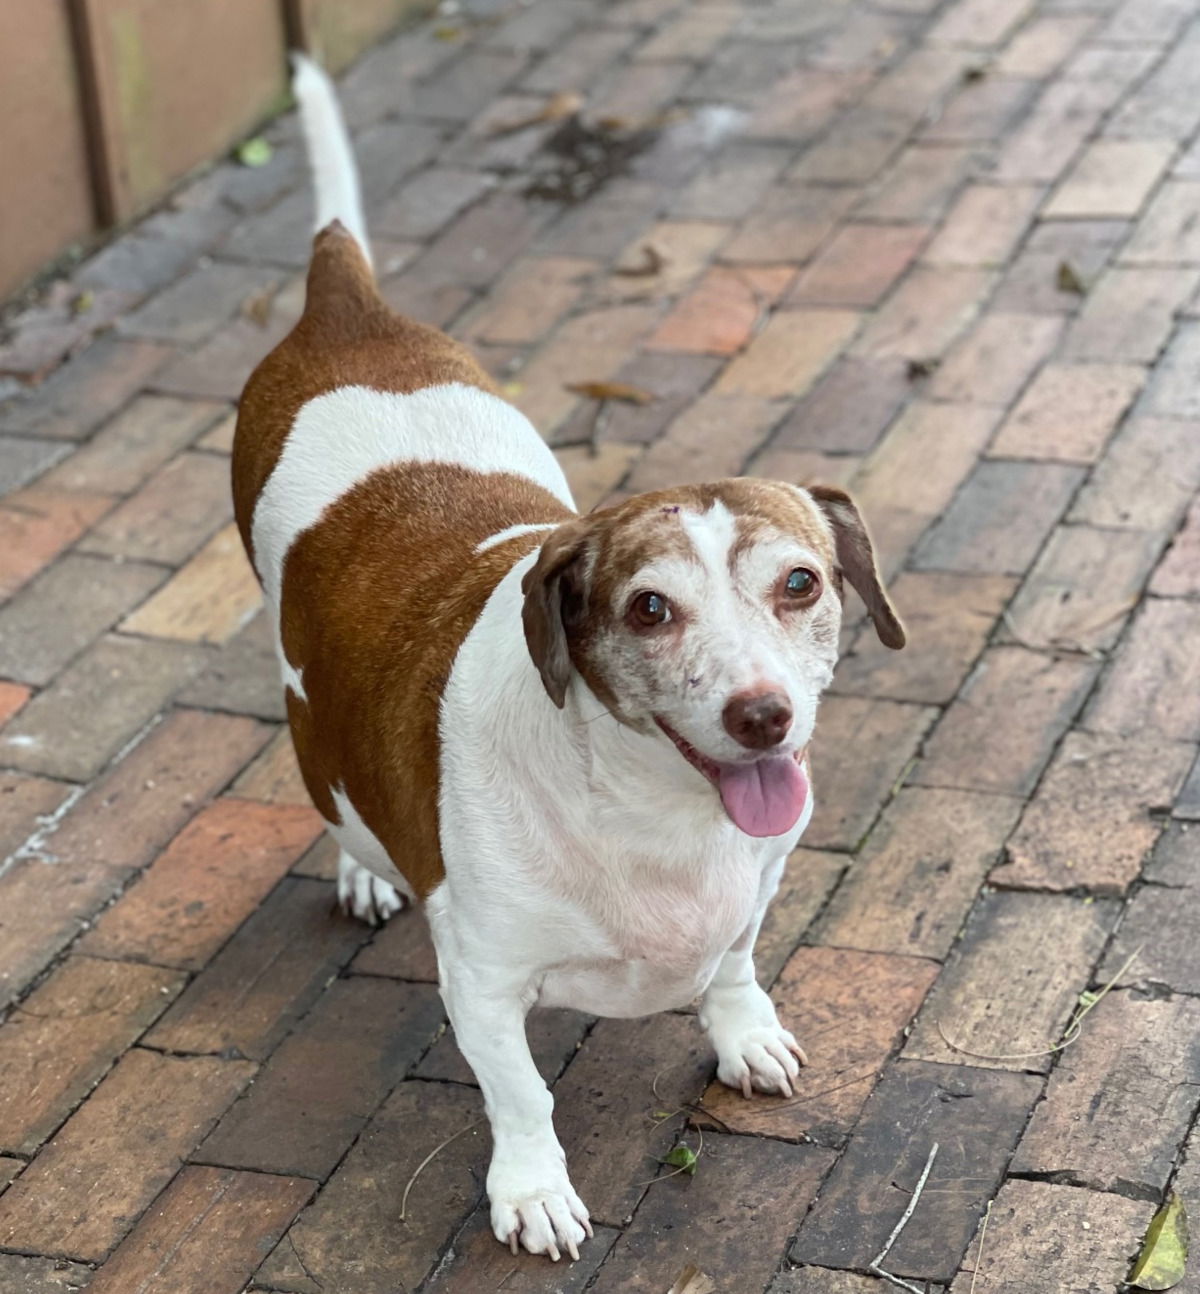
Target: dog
{"x": 579, "y": 741}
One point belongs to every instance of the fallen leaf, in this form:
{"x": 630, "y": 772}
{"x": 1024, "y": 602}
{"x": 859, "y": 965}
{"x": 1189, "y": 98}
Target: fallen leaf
{"x": 652, "y": 261}
{"x": 692, "y": 1281}
{"x": 975, "y": 71}
{"x": 559, "y": 106}
{"x": 686, "y": 1158}
{"x": 1163, "y": 1261}
{"x": 447, "y": 32}
{"x": 257, "y": 308}
{"x": 512, "y": 389}
{"x": 255, "y": 152}
{"x": 83, "y": 303}
{"x": 612, "y": 391}
{"x": 919, "y": 368}
{"x": 1068, "y": 280}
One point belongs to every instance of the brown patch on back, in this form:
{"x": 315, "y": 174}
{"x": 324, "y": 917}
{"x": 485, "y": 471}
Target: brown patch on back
{"x": 377, "y": 599}
{"x": 378, "y": 596}
{"x": 347, "y": 336}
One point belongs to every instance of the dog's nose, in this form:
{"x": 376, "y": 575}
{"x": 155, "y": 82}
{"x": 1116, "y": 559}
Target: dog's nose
{"x": 758, "y": 718}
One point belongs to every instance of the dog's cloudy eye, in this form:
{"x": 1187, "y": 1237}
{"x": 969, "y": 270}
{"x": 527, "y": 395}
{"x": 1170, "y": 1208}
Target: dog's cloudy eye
{"x": 801, "y": 583}
{"x": 649, "y": 609}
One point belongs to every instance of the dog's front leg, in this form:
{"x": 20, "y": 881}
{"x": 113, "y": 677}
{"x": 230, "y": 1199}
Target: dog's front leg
{"x": 532, "y": 1199}
{"x": 753, "y": 1049}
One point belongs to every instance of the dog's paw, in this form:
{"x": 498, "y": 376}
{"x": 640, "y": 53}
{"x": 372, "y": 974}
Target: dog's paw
{"x": 363, "y": 894}
{"x": 544, "y": 1219}
{"x": 764, "y": 1057}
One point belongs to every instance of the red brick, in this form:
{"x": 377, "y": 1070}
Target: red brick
{"x": 802, "y": 466}
{"x": 1089, "y": 825}
{"x": 1178, "y": 575}
{"x": 985, "y": 225}
{"x": 992, "y": 363}
{"x": 1167, "y": 233}
{"x": 36, "y": 525}
{"x": 859, "y": 265}
{"x": 1069, "y": 412}
{"x": 789, "y": 354}
{"x": 25, "y": 804}
{"x": 575, "y": 63}
{"x": 1092, "y": 1232}
{"x": 59, "y": 613}
{"x": 531, "y": 299}
{"x": 925, "y": 314}
{"x": 1039, "y": 48}
{"x": 919, "y": 185}
{"x": 1163, "y": 107}
{"x": 848, "y": 410}
{"x": 1012, "y": 981}
{"x": 1000, "y": 519}
{"x": 1000, "y": 732}
{"x": 1172, "y": 386}
{"x": 638, "y": 93}
{"x": 1066, "y": 113}
{"x": 554, "y": 1038}
{"x": 713, "y": 438}
{"x": 195, "y": 306}
{"x": 588, "y": 348}
{"x": 115, "y": 1154}
{"x": 948, "y": 617}
{"x": 114, "y": 829}
{"x": 40, "y": 336}
{"x": 429, "y": 201}
{"x": 1157, "y": 927}
{"x": 915, "y": 471}
{"x": 802, "y": 103}
{"x": 594, "y": 474}
{"x": 726, "y": 1221}
{"x": 1146, "y": 478}
{"x": 86, "y": 390}
{"x": 138, "y": 440}
{"x": 9, "y": 1168}
{"x": 719, "y": 316}
{"x": 849, "y": 788}
{"x": 810, "y": 878}
{"x": 94, "y": 707}
{"x": 484, "y": 240}
{"x": 1145, "y": 22}
{"x": 180, "y": 507}
{"x": 1082, "y": 588}
{"x": 209, "y": 1229}
{"x": 1155, "y": 667}
{"x": 20, "y": 1275}
{"x": 978, "y": 23}
{"x": 401, "y": 950}
{"x": 917, "y": 875}
{"x": 205, "y": 884}
{"x": 12, "y": 697}
{"x": 274, "y": 777}
{"x": 61, "y": 1040}
{"x": 852, "y": 152}
{"x": 317, "y": 1091}
{"x": 1112, "y": 179}
{"x": 788, "y": 224}
{"x": 260, "y": 984}
{"x": 243, "y": 677}
{"x": 848, "y": 1010}
{"x": 731, "y": 185}
{"x": 918, "y": 82}
{"x": 1031, "y": 283}
{"x": 975, "y": 1118}
{"x": 602, "y": 226}
{"x": 350, "y": 1234}
{"x": 607, "y": 1124}
{"x": 1128, "y": 315}
{"x": 982, "y": 111}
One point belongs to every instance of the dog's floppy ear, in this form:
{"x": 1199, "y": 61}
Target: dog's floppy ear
{"x": 856, "y": 558}
{"x": 555, "y": 598}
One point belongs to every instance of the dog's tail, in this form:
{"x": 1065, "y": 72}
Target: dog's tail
{"x": 330, "y": 154}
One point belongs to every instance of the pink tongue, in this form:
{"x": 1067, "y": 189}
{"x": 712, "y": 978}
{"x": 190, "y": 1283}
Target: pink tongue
{"x": 765, "y": 798}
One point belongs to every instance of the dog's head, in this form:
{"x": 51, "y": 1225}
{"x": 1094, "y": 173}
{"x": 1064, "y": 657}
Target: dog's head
{"x": 708, "y": 617}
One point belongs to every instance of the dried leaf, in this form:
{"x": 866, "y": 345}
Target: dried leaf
{"x": 1068, "y": 280}
{"x": 683, "y": 1157}
{"x": 919, "y": 368}
{"x": 1163, "y": 1261}
{"x": 975, "y": 71}
{"x": 612, "y": 391}
{"x": 692, "y": 1281}
{"x": 255, "y": 152}
{"x": 652, "y": 261}
{"x": 558, "y": 107}
{"x": 257, "y": 308}
{"x": 512, "y": 389}
{"x": 83, "y": 303}
{"x": 447, "y": 32}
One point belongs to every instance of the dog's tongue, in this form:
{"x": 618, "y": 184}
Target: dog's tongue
{"x": 765, "y": 798}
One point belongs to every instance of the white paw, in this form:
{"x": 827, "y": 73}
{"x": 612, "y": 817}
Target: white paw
{"x": 537, "y": 1210}
{"x": 764, "y": 1057}
{"x": 362, "y": 894}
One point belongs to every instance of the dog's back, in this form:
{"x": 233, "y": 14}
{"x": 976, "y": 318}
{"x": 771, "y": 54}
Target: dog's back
{"x": 382, "y": 489}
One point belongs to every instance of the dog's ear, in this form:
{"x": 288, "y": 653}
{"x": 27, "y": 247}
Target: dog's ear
{"x": 555, "y": 589}
{"x": 856, "y": 558}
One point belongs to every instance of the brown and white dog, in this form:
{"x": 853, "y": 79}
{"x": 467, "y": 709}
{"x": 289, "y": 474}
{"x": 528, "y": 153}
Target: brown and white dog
{"x": 580, "y": 741}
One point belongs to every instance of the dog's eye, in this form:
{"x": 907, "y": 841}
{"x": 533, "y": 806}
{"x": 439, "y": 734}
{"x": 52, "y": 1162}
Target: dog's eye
{"x": 649, "y": 609}
{"x": 801, "y": 584}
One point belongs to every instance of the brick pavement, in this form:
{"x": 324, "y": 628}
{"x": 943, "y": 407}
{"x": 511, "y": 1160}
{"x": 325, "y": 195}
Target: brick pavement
{"x": 944, "y": 251}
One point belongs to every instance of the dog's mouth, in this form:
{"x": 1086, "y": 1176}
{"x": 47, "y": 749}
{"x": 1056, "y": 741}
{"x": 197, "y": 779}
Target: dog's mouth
{"x": 763, "y": 797}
